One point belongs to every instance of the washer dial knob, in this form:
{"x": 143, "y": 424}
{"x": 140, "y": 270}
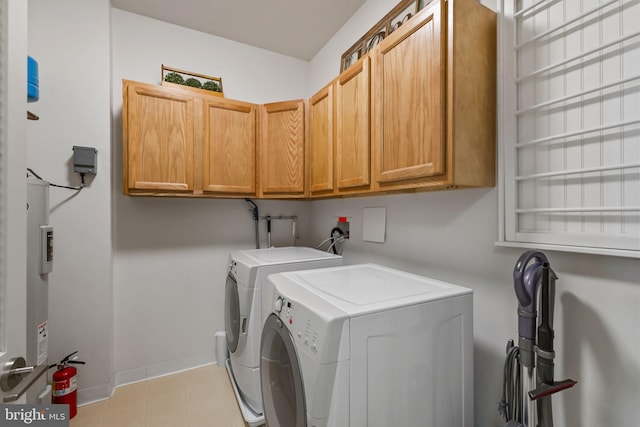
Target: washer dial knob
{"x": 277, "y": 305}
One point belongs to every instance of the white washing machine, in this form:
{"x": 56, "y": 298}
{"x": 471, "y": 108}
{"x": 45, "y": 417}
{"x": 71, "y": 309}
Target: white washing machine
{"x": 366, "y": 346}
{"x": 247, "y": 271}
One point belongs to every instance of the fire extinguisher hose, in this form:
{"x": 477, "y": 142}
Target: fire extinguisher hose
{"x": 68, "y": 359}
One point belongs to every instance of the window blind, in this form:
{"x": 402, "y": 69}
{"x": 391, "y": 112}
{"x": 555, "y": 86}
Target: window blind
{"x": 570, "y": 147}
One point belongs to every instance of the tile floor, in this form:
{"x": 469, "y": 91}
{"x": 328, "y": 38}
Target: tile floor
{"x": 201, "y": 397}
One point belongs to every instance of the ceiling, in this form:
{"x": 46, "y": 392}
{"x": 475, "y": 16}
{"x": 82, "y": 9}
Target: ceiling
{"x": 297, "y": 28}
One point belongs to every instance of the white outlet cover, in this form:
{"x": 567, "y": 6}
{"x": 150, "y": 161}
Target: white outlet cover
{"x": 374, "y": 224}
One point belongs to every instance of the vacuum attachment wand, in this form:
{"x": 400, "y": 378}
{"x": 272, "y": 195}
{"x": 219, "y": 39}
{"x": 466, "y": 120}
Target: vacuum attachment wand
{"x": 545, "y": 385}
{"x": 532, "y": 270}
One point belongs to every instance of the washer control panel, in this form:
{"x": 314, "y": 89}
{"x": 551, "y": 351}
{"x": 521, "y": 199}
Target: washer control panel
{"x": 303, "y": 324}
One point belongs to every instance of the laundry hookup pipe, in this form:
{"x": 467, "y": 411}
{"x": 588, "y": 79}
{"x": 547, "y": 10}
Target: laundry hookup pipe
{"x": 256, "y": 219}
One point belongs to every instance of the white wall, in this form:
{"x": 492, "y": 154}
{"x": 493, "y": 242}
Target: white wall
{"x": 141, "y": 45}
{"x": 171, "y": 254}
{"x": 70, "y": 41}
{"x": 450, "y": 236}
{"x": 13, "y": 195}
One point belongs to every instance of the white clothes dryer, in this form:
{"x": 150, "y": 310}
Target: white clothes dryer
{"x": 366, "y": 346}
{"x": 247, "y": 271}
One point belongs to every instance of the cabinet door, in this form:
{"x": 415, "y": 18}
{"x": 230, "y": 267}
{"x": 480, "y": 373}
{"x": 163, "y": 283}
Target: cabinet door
{"x": 409, "y": 89}
{"x": 282, "y": 149}
{"x": 320, "y": 142}
{"x": 353, "y": 126}
{"x": 158, "y": 139}
{"x": 229, "y": 147}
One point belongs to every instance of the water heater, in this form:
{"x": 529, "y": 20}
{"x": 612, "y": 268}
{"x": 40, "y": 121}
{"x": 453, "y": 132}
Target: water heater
{"x": 39, "y": 265}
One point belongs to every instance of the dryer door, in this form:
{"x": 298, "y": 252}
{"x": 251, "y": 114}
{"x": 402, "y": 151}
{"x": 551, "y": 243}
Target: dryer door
{"x": 232, "y": 313}
{"x": 281, "y": 379}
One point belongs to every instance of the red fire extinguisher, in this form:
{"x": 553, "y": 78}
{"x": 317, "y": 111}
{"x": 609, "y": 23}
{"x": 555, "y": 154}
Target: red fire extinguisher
{"x": 64, "y": 384}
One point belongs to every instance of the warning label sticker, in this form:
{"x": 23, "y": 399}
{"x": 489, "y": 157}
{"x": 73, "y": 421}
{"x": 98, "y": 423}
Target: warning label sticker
{"x": 43, "y": 342}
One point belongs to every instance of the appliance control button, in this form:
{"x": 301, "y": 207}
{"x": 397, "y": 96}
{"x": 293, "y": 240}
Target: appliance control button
{"x": 306, "y": 340}
{"x": 277, "y": 305}
{"x": 314, "y": 347}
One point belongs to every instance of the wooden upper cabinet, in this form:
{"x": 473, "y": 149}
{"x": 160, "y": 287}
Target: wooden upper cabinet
{"x": 158, "y": 139}
{"x": 281, "y": 146}
{"x": 320, "y": 142}
{"x": 434, "y": 100}
{"x": 339, "y": 143}
{"x": 229, "y": 147}
{"x": 471, "y": 95}
{"x": 353, "y": 124}
{"x": 178, "y": 142}
{"x": 418, "y": 112}
{"x": 409, "y": 113}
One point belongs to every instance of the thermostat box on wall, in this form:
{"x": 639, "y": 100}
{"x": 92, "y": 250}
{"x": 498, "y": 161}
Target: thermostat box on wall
{"x": 85, "y": 159}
